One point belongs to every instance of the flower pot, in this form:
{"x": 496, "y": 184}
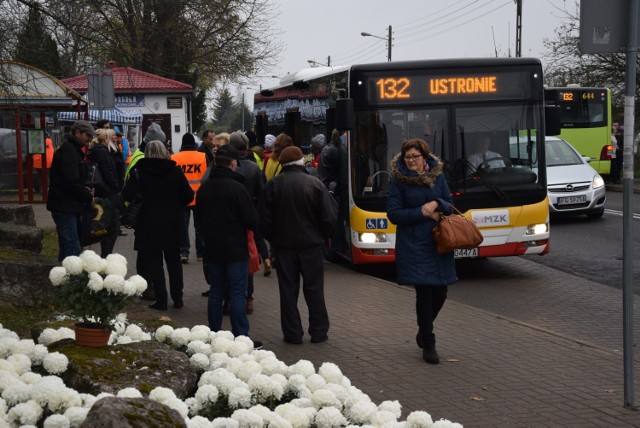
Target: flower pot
{"x": 91, "y": 335}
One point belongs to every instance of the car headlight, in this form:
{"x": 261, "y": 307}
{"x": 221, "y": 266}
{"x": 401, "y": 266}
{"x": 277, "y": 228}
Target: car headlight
{"x": 597, "y": 181}
{"x": 371, "y": 238}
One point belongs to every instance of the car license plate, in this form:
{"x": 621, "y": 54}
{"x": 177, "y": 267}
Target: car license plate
{"x": 570, "y": 200}
{"x": 464, "y": 254}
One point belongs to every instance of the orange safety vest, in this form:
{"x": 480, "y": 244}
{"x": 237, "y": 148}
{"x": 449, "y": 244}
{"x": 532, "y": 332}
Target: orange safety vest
{"x": 37, "y": 159}
{"x": 193, "y": 165}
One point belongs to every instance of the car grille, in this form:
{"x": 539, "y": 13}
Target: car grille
{"x": 571, "y": 207}
{"x": 563, "y": 189}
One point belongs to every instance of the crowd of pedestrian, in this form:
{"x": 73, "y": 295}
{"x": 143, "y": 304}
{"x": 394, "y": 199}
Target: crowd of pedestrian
{"x": 252, "y": 204}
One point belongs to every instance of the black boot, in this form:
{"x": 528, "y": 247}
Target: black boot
{"x": 419, "y": 341}
{"x": 429, "y": 353}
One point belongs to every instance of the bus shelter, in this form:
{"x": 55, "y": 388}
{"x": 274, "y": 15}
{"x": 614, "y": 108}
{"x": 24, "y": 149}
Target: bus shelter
{"x": 30, "y": 100}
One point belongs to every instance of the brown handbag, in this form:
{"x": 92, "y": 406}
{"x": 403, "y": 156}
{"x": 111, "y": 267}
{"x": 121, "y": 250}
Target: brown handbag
{"x": 455, "y": 231}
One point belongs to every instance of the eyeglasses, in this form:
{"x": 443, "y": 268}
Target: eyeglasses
{"x": 412, "y": 157}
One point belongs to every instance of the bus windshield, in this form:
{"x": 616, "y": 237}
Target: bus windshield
{"x": 490, "y": 152}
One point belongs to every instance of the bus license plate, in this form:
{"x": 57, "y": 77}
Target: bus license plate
{"x": 570, "y": 200}
{"x": 464, "y": 254}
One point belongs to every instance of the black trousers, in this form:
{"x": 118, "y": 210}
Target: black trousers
{"x": 149, "y": 265}
{"x": 429, "y": 301}
{"x": 308, "y": 264}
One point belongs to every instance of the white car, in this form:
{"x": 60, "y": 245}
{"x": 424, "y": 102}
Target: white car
{"x": 574, "y": 187}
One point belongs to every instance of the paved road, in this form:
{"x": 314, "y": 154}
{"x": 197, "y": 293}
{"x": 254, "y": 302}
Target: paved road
{"x": 544, "y": 364}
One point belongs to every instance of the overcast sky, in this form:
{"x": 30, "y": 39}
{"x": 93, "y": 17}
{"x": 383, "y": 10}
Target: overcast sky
{"x": 421, "y": 29}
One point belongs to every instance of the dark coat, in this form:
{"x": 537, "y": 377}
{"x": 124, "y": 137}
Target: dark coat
{"x": 253, "y": 178}
{"x": 204, "y": 149}
{"x": 296, "y": 210}
{"x": 417, "y": 261}
{"x": 166, "y": 193}
{"x": 99, "y": 156}
{"x": 68, "y": 192}
{"x": 224, "y": 212}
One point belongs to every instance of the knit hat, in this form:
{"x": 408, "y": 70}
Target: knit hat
{"x": 269, "y": 139}
{"x": 318, "y": 141}
{"x": 228, "y": 151}
{"x": 290, "y": 155}
{"x": 154, "y": 132}
{"x": 188, "y": 142}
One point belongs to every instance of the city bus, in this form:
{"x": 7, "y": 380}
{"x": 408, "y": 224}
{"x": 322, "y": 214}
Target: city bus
{"x": 585, "y": 121}
{"x": 453, "y": 105}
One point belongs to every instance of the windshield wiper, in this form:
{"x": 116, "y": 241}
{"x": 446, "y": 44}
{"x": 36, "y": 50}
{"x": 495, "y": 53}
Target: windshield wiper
{"x": 500, "y": 194}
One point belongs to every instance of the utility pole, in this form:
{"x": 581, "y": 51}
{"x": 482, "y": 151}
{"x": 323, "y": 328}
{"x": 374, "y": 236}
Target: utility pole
{"x": 518, "y": 28}
{"x": 389, "y": 44}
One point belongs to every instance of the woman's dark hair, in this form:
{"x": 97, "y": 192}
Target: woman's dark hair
{"x": 418, "y": 144}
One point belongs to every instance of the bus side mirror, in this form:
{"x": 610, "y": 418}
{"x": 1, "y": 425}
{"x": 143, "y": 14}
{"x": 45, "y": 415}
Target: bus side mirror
{"x": 552, "y": 120}
{"x": 344, "y": 114}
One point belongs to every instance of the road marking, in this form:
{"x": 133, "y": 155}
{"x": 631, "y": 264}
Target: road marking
{"x": 620, "y": 213}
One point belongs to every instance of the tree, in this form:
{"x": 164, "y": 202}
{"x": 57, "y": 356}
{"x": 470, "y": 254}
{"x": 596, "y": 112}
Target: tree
{"x": 36, "y": 47}
{"x": 223, "y": 110}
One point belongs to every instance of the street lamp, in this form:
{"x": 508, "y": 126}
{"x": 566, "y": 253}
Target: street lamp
{"x": 313, "y": 62}
{"x": 242, "y": 107}
{"x": 389, "y": 40}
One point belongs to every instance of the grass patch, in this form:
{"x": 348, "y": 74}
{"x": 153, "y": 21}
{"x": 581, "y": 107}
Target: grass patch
{"x": 50, "y": 244}
{"x": 20, "y": 318}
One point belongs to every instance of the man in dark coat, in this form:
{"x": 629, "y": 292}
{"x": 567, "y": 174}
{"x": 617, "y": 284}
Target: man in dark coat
{"x": 225, "y": 212}
{"x": 297, "y": 216}
{"x": 68, "y": 193}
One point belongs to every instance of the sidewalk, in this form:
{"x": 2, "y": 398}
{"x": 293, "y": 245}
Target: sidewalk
{"x": 493, "y": 371}
{"x": 619, "y": 187}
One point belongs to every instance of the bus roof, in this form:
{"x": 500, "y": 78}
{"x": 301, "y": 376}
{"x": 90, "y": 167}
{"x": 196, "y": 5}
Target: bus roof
{"x": 308, "y": 74}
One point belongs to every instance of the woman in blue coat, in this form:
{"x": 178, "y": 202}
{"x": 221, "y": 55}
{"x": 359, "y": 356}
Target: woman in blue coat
{"x": 418, "y": 192}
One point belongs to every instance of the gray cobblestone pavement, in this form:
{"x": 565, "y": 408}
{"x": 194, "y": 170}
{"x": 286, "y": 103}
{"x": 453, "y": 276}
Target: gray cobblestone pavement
{"x": 520, "y": 371}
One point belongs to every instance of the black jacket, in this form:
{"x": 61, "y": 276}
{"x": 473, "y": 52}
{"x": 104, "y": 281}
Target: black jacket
{"x": 166, "y": 193}
{"x": 296, "y": 210}
{"x": 224, "y": 212}
{"x": 67, "y": 190}
{"x": 99, "y": 156}
{"x": 204, "y": 149}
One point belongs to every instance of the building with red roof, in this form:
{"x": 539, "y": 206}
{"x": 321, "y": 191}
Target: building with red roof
{"x": 141, "y": 98}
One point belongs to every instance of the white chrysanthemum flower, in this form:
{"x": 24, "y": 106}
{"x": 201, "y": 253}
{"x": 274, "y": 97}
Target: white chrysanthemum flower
{"x": 118, "y": 258}
{"x": 302, "y": 402}
{"x": 17, "y": 392}
{"x": 298, "y": 417}
{"x": 240, "y": 397}
{"x": 6, "y": 333}
{"x": 419, "y": 419}
{"x": 135, "y": 332}
{"x": 178, "y": 405}
{"x": 303, "y": 367}
{"x": 324, "y": 398}
{"x": 445, "y": 423}
{"x": 180, "y": 337}
{"x": 353, "y": 396}
{"x": 362, "y": 412}
{"x": 330, "y": 372}
{"x": 96, "y": 283}
{"x": 248, "y": 369}
{"x": 218, "y": 359}
{"x": 201, "y": 332}
{"x": 207, "y": 394}
{"x": 329, "y": 417}
{"x": 315, "y": 381}
{"x": 272, "y": 365}
{"x": 48, "y": 336}
{"x": 239, "y": 348}
{"x": 278, "y": 421}
{"x": 296, "y": 382}
{"x": 57, "y": 275}
{"x": 73, "y": 264}
{"x": 115, "y": 267}
{"x": 392, "y": 406}
{"x": 3, "y": 409}
{"x": 129, "y": 288}
{"x": 260, "y": 354}
{"x": 88, "y": 400}
{"x": 7, "y": 378}
{"x": 27, "y": 413}
{"x": 66, "y": 333}
{"x": 224, "y": 334}
{"x": 265, "y": 413}
{"x": 123, "y": 340}
{"x": 265, "y": 387}
{"x": 21, "y": 363}
{"x": 121, "y": 318}
{"x": 114, "y": 284}
{"x": 30, "y": 378}
{"x": 76, "y": 415}
{"x": 92, "y": 261}
{"x": 224, "y": 423}
{"x": 55, "y": 363}
{"x": 129, "y": 393}
{"x": 383, "y": 418}
{"x": 7, "y": 345}
{"x": 24, "y": 346}
{"x": 161, "y": 394}
{"x": 163, "y": 333}
{"x": 247, "y": 418}
{"x": 198, "y": 422}
{"x": 195, "y": 346}
{"x": 221, "y": 344}
{"x": 245, "y": 339}
{"x": 57, "y": 421}
{"x": 51, "y": 392}
{"x": 37, "y": 354}
{"x": 199, "y": 361}
{"x": 139, "y": 282}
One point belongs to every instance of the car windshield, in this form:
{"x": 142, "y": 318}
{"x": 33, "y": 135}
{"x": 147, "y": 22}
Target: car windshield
{"x": 559, "y": 153}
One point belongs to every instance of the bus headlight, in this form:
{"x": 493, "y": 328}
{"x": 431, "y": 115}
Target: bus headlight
{"x": 372, "y": 238}
{"x": 536, "y": 229}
